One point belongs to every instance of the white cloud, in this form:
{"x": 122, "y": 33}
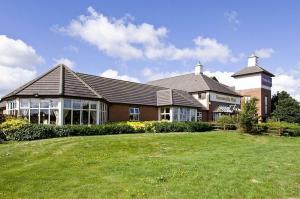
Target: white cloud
{"x": 18, "y": 62}
{"x": 110, "y": 73}
{"x": 222, "y": 76}
{"x": 16, "y": 53}
{"x": 232, "y": 18}
{"x": 264, "y": 52}
{"x": 154, "y": 74}
{"x": 69, "y": 63}
{"x": 123, "y": 39}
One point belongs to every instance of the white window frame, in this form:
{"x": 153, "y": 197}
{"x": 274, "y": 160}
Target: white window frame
{"x": 135, "y": 113}
{"x": 164, "y": 113}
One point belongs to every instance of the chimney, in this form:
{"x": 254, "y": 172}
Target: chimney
{"x": 252, "y": 60}
{"x": 198, "y": 69}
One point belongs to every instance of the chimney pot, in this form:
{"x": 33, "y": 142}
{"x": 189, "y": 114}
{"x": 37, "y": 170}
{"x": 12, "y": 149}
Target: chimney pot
{"x": 252, "y": 60}
{"x": 198, "y": 69}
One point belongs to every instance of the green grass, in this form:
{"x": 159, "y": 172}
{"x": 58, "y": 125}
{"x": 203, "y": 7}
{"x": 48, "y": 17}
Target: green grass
{"x": 177, "y": 165}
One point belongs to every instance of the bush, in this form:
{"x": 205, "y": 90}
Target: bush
{"x": 2, "y": 136}
{"x": 163, "y": 127}
{"x": 248, "y": 118}
{"x": 281, "y": 128}
{"x": 227, "y": 122}
{"x": 10, "y": 125}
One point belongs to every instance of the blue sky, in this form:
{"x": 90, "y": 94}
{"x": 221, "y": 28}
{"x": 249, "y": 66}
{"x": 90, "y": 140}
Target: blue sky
{"x": 145, "y": 40}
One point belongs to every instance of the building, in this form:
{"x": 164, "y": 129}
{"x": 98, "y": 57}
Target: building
{"x": 216, "y": 98}
{"x": 254, "y": 81}
{"x": 62, "y": 96}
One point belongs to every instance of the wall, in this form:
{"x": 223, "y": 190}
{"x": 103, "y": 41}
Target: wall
{"x": 120, "y": 112}
{"x": 259, "y": 93}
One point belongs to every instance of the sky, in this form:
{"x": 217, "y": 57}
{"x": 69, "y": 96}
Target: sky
{"x": 147, "y": 40}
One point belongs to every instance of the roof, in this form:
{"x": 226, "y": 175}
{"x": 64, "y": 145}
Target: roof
{"x": 119, "y": 91}
{"x": 2, "y": 105}
{"x": 59, "y": 81}
{"x": 194, "y": 83}
{"x": 62, "y": 81}
{"x": 252, "y": 70}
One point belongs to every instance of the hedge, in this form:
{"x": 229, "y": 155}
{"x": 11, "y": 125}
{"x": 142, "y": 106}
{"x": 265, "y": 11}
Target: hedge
{"x": 281, "y": 128}
{"x": 34, "y": 131}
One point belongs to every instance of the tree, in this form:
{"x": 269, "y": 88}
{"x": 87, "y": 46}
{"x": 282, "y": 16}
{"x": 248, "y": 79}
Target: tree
{"x": 248, "y": 117}
{"x": 286, "y": 108}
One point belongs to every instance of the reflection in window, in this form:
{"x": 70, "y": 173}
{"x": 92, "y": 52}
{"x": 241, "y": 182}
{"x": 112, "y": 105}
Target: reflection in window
{"x": 34, "y": 116}
{"x": 134, "y": 114}
{"x": 93, "y": 117}
{"x": 76, "y": 117}
{"x": 54, "y": 117}
{"x": 85, "y": 117}
{"x": 67, "y": 117}
{"x": 44, "y": 116}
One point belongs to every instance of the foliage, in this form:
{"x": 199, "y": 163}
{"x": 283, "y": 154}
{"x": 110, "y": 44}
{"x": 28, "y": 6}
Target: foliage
{"x": 248, "y": 117}
{"x": 34, "y": 131}
{"x": 281, "y": 128}
{"x": 227, "y": 122}
{"x": 11, "y": 124}
{"x": 2, "y": 136}
{"x": 286, "y": 108}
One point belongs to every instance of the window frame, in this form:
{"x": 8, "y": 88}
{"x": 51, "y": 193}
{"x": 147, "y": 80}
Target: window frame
{"x": 135, "y": 113}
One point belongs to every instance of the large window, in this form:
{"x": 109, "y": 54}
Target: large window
{"x": 165, "y": 113}
{"x": 83, "y": 112}
{"x": 40, "y": 111}
{"x": 134, "y": 114}
{"x": 11, "y": 108}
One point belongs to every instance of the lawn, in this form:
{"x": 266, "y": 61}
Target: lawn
{"x": 175, "y": 165}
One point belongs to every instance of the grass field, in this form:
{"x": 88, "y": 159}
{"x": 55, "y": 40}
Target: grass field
{"x": 177, "y": 165}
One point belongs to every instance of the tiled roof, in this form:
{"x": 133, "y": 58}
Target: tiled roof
{"x": 252, "y": 70}
{"x": 119, "y": 91}
{"x": 194, "y": 83}
{"x": 59, "y": 81}
{"x": 62, "y": 81}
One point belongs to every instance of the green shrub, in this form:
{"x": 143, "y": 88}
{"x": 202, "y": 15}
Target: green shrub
{"x": 163, "y": 127}
{"x": 10, "y": 125}
{"x": 248, "y": 118}
{"x": 281, "y": 128}
{"x": 227, "y": 122}
{"x": 2, "y": 136}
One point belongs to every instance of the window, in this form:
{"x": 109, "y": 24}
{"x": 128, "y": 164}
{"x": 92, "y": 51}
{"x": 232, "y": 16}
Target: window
{"x": 266, "y": 105}
{"x": 247, "y": 99}
{"x": 199, "y": 116}
{"x": 216, "y": 116}
{"x": 12, "y": 108}
{"x": 183, "y": 114}
{"x": 165, "y": 113}
{"x": 193, "y": 114}
{"x": 202, "y": 95}
{"x": 67, "y": 116}
{"x": 134, "y": 114}
{"x": 175, "y": 114}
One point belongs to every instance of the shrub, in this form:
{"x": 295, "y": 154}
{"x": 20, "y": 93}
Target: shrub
{"x": 227, "y": 122}
{"x": 248, "y": 117}
{"x": 2, "y": 136}
{"x": 10, "y": 125}
{"x": 163, "y": 127}
{"x": 281, "y": 128}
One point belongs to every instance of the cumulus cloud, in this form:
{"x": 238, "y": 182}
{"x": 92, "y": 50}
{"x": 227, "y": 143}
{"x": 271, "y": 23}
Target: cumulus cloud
{"x": 18, "y": 62}
{"x": 123, "y": 39}
{"x": 264, "y": 52}
{"x": 69, "y": 63}
{"x": 110, "y": 73}
{"x": 154, "y": 74}
{"x": 232, "y": 18}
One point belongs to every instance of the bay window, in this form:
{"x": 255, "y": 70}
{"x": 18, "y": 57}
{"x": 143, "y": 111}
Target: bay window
{"x": 175, "y": 114}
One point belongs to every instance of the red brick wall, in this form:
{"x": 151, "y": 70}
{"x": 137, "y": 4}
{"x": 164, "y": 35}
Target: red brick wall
{"x": 120, "y": 112}
{"x": 259, "y": 94}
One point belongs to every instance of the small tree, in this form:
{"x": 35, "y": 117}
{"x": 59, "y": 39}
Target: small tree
{"x": 248, "y": 117}
{"x": 285, "y": 108}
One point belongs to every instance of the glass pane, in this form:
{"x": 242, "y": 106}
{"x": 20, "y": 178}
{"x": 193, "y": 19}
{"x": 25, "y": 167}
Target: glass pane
{"x": 44, "y": 116}
{"x": 93, "y": 117}
{"x": 67, "y": 116}
{"x": 93, "y": 105}
{"x": 24, "y": 103}
{"x": 167, "y": 110}
{"x": 85, "y": 105}
{"x": 44, "y": 104}
{"x": 24, "y": 113}
{"x": 54, "y": 117}
{"x": 131, "y": 110}
{"x": 85, "y": 117}
{"x": 67, "y": 103}
{"x": 34, "y": 116}
{"x": 53, "y": 103}
{"x": 137, "y": 110}
{"x": 76, "y": 117}
{"x": 76, "y": 104}
{"x": 34, "y": 104}
{"x": 167, "y": 117}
